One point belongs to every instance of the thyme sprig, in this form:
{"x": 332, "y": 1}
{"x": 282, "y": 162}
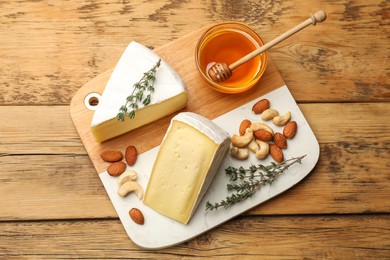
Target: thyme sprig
{"x": 142, "y": 93}
{"x": 245, "y": 182}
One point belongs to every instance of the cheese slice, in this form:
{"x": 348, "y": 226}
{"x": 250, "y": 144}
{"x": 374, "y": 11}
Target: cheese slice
{"x": 170, "y": 93}
{"x": 189, "y": 157}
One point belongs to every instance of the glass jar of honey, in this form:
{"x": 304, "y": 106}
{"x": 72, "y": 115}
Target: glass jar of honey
{"x": 227, "y": 42}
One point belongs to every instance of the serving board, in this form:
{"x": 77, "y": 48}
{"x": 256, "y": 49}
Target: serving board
{"x": 224, "y": 109}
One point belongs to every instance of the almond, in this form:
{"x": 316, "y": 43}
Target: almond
{"x": 290, "y": 129}
{"x": 276, "y": 153}
{"x": 116, "y": 169}
{"x": 137, "y": 216}
{"x": 280, "y": 140}
{"x": 260, "y": 106}
{"x": 244, "y": 125}
{"x": 111, "y": 156}
{"x": 263, "y": 135}
{"x": 131, "y": 155}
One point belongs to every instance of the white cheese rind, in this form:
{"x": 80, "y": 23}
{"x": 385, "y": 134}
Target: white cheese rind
{"x": 189, "y": 157}
{"x": 204, "y": 125}
{"x": 134, "y": 62}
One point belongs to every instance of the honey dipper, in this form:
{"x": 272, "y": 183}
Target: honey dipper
{"x": 221, "y": 71}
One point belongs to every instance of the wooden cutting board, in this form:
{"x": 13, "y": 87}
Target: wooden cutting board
{"x": 180, "y": 54}
{"x": 225, "y": 110}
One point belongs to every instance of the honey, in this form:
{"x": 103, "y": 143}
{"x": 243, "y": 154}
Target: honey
{"x": 227, "y": 43}
{"x": 228, "y": 47}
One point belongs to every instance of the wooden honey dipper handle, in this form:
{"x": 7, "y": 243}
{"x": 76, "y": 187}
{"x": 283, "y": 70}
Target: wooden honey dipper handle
{"x": 315, "y": 18}
{"x": 221, "y": 71}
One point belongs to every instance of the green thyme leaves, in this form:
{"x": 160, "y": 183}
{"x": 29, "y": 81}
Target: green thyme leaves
{"x": 142, "y": 94}
{"x": 245, "y": 182}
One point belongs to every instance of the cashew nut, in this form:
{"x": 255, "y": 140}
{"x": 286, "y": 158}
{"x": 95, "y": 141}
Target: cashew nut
{"x": 239, "y": 153}
{"x": 263, "y": 150}
{"x": 241, "y": 141}
{"x": 127, "y": 176}
{"x": 131, "y": 186}
{"x": 259, "y": 126}
{"x": 282, "y": 120}
{"x": 269, "y": 114}
{"x": 253, "y": 146}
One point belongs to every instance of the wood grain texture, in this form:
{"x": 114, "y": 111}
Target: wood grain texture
{"x": 50, "y": 130}
{"x": 352, "y": 175}
{"x": 311, "y": 237}
{"x": 52, "y": 205}
{"x": 53, "y": 48}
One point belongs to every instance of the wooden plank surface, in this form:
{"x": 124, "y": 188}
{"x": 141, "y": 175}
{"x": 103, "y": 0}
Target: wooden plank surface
{"x": 54, "y": 206}
{"x": 53, "y": 48}
{"x": 352, "y": 175}
{"x": 314, "y": 237}
{"x": 50, "y": 130}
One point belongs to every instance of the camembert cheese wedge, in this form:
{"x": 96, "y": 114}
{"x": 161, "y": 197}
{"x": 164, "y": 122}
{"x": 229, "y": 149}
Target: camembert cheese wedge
{"x": 170, "y": 93}
{"x": 189, "y": 157}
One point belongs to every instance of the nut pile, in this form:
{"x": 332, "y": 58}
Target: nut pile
{"x": 260, "y": 138}
{"x": 127, "y": 179}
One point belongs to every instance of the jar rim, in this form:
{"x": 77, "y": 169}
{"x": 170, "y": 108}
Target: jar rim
{"x": 237, "y": 26}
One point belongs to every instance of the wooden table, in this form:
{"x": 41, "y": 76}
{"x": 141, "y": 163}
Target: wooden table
{"x": 52, "y": 203}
